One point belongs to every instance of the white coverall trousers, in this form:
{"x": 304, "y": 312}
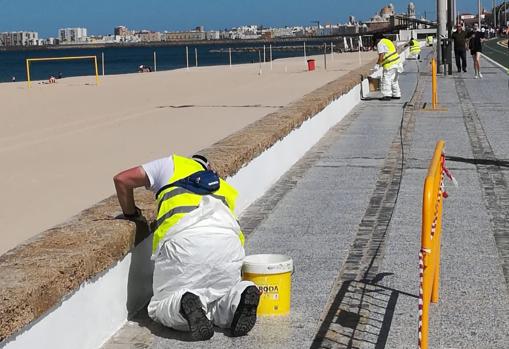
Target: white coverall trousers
{"x": 201, "y": 254}
{"x": 390, "y": 83}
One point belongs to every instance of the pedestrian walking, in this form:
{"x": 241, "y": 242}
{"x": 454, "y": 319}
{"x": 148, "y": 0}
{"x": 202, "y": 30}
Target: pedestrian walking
{"x": 459, "y": 38}
{"x": 475, "y": 44}
{"x": 197, "y": 247}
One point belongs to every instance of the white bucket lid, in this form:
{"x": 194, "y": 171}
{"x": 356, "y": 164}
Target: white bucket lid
{"x": 267, "y": 264}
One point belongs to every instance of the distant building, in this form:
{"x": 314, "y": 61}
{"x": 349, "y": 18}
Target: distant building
{"x": 120, "y": 31}
{"x": 381, "y": 21}
{"x": 72, "y": 35}
{"x": 185, "y": 36}
{"x": 148, "y": 36}
{"x": 212, "y": 35}
{"x": 105, "y": 39}
{"x": 245, "y": 32}
{"x": 387, "y": 11}
{"x": 351, "y": 28}
{"x": 411, "y": 10}
{"x": 469, "y": 19}
{"x": 266, "y": 35}
{"x": 19, "y": 38}
{"x": 282, "y": 32}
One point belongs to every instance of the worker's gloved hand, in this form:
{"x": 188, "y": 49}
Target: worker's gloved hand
{"x": 376, "y": 67}
{"x": 136, "y": 216}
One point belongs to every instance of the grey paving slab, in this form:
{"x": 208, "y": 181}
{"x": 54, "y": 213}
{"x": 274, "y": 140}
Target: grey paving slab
{"x": 342, "y": 189}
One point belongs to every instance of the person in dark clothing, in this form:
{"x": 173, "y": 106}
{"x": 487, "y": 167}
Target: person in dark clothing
{"x": 475, "y": 45}
{"x": 459, "y": 38}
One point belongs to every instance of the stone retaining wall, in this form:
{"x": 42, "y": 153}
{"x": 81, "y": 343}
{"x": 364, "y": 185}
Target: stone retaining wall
{"x": 38, "y": 274}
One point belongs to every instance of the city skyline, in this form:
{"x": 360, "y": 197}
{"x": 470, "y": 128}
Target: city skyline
{"x": 101, "y": 17}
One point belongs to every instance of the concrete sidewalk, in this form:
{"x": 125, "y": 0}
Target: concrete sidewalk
{"x": 352, "y": 225}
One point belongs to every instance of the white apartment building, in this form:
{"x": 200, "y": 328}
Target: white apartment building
{"x": 72, "y": 35}
{"x": 281, "y": 32}
{"x": 19, "y": 38}
{"x": 212, "y": 35}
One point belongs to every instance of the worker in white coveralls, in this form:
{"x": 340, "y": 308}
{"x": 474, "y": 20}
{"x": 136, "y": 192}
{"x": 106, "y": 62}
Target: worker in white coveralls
{"x": 197, "y": 247}
{"x": 388, "y": 59}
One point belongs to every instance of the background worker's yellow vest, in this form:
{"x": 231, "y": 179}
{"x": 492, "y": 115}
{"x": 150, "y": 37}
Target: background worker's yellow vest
{"x": 391, "y": 58}
{"x": 415, "y": 47}
{"x": 175, "y": 202}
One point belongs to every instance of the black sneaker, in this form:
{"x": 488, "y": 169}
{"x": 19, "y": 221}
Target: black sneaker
{"x": 386, "y": 98}
{"x": 393, "y": 97}
{"x": 199, "y": 325}
{"x": 464, "y": 70}
{"x": 244, "y": 318}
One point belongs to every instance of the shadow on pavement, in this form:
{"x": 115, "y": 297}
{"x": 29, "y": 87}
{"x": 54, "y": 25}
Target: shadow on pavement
{"x": 362, "y": 312}
{"x": 499, "y": 163}
{"x": 144, "y": 321}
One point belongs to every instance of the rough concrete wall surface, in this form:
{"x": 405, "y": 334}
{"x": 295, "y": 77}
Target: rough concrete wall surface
{"x": 38, "y": 274}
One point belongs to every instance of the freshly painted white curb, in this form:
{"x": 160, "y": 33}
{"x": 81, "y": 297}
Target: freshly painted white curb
{"x": 88, "y": 317}
{"x": 253, "y": 180}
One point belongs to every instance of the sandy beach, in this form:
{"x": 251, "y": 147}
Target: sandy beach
{"x": 60, "y": 144}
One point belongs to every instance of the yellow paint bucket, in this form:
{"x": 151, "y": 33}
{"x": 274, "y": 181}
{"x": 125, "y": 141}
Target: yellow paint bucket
{"x": 272, "y": 273}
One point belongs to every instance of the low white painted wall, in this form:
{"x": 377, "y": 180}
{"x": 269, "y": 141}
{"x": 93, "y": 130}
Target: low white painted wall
{"x": 87, "y": 318}
{"x": 262, "y": 172}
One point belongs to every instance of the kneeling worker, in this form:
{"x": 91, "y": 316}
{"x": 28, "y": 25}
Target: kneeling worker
{"x": 388, "y": 59}
{"x": 197, "y": 247}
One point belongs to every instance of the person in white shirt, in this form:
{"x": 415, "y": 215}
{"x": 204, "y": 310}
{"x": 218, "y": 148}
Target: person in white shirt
{"x": 197, "y": 247}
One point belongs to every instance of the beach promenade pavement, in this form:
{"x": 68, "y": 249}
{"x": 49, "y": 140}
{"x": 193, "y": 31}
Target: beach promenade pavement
{"x": 351, "y": 220}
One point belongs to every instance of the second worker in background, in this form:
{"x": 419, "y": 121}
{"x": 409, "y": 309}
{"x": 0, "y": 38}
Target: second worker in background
{"x": 389, "y": 60}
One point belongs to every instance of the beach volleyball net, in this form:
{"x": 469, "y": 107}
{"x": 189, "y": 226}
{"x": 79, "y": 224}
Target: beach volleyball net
{"x": 29, "y": 62}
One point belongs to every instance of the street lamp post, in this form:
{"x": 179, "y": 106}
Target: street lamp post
{"x": 479, "y": 13}
{"x": 494, "y": 15}
{"x": 505, "y": 13}
{"x": 454, "y": 11}
{"x": 450, "y": 21}
{"x": 441, "y": 31}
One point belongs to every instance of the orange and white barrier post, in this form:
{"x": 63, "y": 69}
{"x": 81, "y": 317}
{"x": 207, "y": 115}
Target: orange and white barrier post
{"x": 429, "y": 255}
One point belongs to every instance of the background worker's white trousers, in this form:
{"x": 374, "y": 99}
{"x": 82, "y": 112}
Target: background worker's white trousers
{"x": 203, "y": 256}
{"x": 389, "y": 83}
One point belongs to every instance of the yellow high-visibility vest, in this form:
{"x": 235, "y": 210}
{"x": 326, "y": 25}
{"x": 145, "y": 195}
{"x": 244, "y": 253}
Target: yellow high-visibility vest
{"x": 415, "y": 47}
{"x": 429, "y": 40}
{"x": 175, "y": 202}
{"x": 391, "y": 58}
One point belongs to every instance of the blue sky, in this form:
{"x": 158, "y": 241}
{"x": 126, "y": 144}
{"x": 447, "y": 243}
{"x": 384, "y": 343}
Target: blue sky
{"x": 100, "y": 16}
